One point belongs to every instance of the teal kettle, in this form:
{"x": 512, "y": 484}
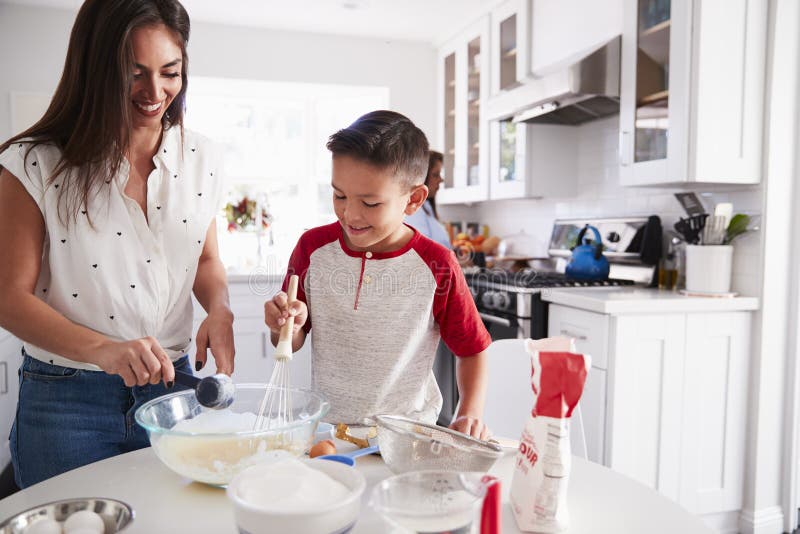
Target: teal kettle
{"x": 588, "y": 262}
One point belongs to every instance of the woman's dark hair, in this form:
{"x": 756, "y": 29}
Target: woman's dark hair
{"x": 434, "y": 157}
{"x": 89, "y": 118}
{"x": 387, "y": 140}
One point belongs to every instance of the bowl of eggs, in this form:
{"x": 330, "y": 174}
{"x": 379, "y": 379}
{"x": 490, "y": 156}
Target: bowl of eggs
{"x": 212, "y": 446}
{"x": 71, "y": 516}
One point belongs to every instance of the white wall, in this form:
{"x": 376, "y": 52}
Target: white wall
{"x": 600, "y": 195}
{"x": 33, "y": 43}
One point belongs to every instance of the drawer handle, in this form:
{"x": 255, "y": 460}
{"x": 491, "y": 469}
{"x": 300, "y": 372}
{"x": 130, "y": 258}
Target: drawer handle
{"x": 4, "y": 389}
{"x": 263, "y": 344}
{"x": 579, "y": 337}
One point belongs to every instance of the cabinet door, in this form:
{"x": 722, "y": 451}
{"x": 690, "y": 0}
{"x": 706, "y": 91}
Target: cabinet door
{"x": 645, "y": 408}
{"x": 463, "y": 80}
{"x": 729, "y": 47}
{"x": 10, "y": 360}
{"x": 510, "y": 45}
{"x": 654, "y": 100}
{"x": 593, "y": 412}
{"x": 715, "y": 411}
{"x": 563, "y": 30}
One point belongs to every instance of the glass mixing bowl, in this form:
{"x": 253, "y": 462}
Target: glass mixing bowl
{"x": 212, "y": 446}
{"x": 434, "y": 502}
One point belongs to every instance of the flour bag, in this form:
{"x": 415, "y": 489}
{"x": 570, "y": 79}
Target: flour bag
{"x": 542, "y": 466}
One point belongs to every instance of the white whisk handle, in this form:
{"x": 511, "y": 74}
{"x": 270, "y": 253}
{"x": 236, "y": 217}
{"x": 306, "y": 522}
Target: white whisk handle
{"x": 284, "y": 350}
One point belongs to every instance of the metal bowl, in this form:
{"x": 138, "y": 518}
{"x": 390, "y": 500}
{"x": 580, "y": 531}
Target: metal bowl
{"x": 408, "y": 445}
{"x": 116, "y": 515}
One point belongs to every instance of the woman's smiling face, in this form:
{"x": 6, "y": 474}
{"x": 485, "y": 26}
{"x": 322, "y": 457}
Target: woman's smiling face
{"x": 157, "y": 76}
{"x": 371, "y": 204}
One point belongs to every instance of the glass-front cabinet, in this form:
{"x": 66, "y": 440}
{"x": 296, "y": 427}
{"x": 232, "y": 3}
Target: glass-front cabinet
{"x": 510, "y": 48}
{"x": 691, "y": 92}
{"x": 463, "y": 85}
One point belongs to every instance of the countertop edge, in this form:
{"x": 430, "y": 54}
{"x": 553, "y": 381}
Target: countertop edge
{"x": 671, "y": 304}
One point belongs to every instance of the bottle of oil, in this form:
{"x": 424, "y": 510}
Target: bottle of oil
{"x": 668, "y": 270}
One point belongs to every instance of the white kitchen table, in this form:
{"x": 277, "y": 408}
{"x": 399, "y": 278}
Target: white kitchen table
{"x": 600, "y": 500}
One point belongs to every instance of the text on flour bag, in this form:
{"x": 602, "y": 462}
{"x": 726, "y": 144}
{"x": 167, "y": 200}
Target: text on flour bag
{"x": 543, "y": 461}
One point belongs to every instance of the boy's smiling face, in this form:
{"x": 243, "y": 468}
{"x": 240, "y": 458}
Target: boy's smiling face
{"x": 371, "y": 203}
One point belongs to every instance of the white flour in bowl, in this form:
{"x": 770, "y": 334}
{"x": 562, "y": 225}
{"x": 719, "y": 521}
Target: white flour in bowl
{"x": 290, "y": 486}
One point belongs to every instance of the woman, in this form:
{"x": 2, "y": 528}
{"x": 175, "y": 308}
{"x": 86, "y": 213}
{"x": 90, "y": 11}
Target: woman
{"x": 109, "y": 209}
{"x": 426, "y": 220}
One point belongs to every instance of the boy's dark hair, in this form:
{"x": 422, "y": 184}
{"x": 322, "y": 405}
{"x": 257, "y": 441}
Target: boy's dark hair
{"x": 387, "y": 140}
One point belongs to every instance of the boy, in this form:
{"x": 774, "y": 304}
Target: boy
{"x": 378, "y": 293}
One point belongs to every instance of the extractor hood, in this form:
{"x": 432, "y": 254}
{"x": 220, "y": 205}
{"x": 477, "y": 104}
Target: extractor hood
{"x": 585, "y": 90}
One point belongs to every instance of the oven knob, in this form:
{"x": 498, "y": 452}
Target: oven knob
{"x": 500, "y": 301}
{"x": 488, "y": 299}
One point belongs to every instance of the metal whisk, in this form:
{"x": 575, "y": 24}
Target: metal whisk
{"x": 276, "y": 406}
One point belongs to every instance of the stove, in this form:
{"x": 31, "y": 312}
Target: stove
{"x": 510, "y": 303}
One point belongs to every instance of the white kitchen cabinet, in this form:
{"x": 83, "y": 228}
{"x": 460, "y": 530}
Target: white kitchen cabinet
{"x": 692, "y": 87}
{"x": 10, "y": 360}
{"x": 715, "y": 401}
{"x": 532, "y": 160}
{"x": 564, "y": 30}
{"x": 463, "y": 82}
{"x": 510, "y": 45}
{"x": 665, "y": 400}
{"x": 254, "y": 351}
{"x": 590, "y": 332}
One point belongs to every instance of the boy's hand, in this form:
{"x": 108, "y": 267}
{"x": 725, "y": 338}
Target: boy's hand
{"x": 471, "y": 426}
{"x": 277, "y": 310}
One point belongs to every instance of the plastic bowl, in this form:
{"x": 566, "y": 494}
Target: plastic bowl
{"x": 116, "y": 514}
{"x": 214, "y": 456}
{"x": 334, "y": 519}
{"x": 408, "y": 445}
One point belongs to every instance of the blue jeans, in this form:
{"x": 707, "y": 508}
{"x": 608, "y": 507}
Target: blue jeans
{"x": 67, "y": 418}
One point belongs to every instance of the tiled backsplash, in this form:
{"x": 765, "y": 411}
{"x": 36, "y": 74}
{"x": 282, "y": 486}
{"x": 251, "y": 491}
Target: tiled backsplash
{"x": 600, "y": 195}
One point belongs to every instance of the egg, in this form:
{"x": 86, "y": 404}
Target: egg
{"x": 85, "y": 520}
{"x": 322, "y": 448}
{"x": 43, "y": 526}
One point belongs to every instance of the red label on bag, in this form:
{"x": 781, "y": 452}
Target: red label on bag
{"x": 560, "y": 385}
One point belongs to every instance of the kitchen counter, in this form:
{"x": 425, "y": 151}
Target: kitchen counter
{"x": 617, "y": 301}
{"x": 600, "y": 500}
{"x": 255, "y": 277}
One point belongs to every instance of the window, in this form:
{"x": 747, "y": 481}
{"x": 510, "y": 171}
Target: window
{"x": 274, "y": 136}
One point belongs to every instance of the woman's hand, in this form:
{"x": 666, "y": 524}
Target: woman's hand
{"x": 471, "y": 426}
{"x": 277, "y": 310}
{"x": 138, "y": 362}
{"x": 216, "y": 333}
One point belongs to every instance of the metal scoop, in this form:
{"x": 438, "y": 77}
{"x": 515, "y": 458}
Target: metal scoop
{"x": 214, "y": 391}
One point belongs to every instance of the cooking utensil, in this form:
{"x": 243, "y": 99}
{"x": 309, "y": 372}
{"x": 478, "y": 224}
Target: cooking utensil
{"x": 714, "y": 230}
{"x": 408, "y": 445}
{"x": 225, "y": 443}
{"x": 349, "y": 458}
{"x": 214, "y": 392}
{"x": 276, "y": 408}
{"x": 116, "y": 515}
{"x": 691, "y": 227}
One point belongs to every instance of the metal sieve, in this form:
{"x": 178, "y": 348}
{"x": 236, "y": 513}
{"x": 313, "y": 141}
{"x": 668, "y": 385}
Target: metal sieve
{"x": 408, "y": 445}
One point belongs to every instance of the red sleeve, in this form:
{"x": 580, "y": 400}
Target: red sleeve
{"x": 301, "y": 259}
{"x": 453, "y": 307}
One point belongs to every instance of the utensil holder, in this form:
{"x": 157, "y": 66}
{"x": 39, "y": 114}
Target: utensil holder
{"x": 708, "y": 268}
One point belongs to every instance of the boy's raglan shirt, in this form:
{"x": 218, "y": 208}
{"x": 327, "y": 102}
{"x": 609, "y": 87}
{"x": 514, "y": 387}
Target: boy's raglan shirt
{"x": 376, "y": 320}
